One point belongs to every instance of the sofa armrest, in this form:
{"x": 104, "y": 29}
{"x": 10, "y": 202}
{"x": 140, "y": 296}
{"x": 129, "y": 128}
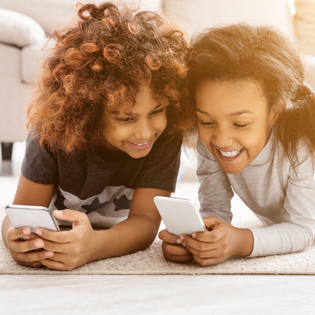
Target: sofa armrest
{"x": 47, "y": 13}
{"x": 18, "y": 29}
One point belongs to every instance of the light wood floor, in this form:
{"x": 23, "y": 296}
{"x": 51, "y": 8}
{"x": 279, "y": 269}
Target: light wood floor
{"x": 211, "y": 294}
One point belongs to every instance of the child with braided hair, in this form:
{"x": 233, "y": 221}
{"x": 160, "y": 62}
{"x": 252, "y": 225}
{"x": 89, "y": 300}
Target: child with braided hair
{"x": 256, "y": 127}
{"x": 105, "y": 133}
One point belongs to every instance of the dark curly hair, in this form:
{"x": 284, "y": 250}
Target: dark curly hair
{"x": 264, "y": 55}
{"x": 100, "y": 61}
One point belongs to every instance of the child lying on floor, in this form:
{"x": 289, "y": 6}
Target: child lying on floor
{"x": 256, "y": 127}
{"x": 105, "y": 136}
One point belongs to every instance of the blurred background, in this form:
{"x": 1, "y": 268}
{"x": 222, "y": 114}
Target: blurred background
{"x": 25, "y": 26}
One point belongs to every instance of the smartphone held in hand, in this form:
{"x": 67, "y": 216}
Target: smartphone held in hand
{"x": 32, "y": 216}
{"x": 180, "y": 216}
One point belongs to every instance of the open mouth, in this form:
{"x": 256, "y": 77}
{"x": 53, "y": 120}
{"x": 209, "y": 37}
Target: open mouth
{"x": 230, "y": 154}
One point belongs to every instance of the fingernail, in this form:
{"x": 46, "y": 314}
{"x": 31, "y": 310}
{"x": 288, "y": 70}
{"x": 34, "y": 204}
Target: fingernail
{"x": 26, "y": 237}
{"x": 182, "y": 238}
{"x": 49, "y": 254}
{"x": 59, "y": 212}
{"x": 39, "y": 243}
{"x": 178, "y": 241}
{"x": 183, "y": 244}
{"x": 194, "y": 235}
{"x": 27, "y": 231}
{"x": 39, "y": 232}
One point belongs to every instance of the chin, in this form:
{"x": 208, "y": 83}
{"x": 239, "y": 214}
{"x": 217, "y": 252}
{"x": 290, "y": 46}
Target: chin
{"x": 139, "y": 155}
{"x": 232, "y": 170}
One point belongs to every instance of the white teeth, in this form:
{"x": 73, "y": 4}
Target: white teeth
{"x": 140, "y": 144}
{"x": 230, "y": 153}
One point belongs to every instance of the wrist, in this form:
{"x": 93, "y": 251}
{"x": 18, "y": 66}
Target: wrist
{"x": 99, "y": 246}
{"x": 246, "y": 242}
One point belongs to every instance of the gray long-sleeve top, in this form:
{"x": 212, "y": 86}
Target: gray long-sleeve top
{"x": 282, "y": 199}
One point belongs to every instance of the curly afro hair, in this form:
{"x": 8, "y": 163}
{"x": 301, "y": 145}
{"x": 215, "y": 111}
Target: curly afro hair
{"x": 100, "y": 61}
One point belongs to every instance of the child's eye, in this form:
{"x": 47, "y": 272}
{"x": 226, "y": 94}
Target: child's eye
{"x": 206, "y": 123}
{"x": 157, "y": 111}
{"x": 126, "y": 120}
{"x": 241, "y": 125}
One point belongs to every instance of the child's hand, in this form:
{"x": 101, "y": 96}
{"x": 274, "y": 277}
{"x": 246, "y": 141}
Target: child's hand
{"x": 219, "y": 244}
{"x": 29, "y": 252}
{"x": 172, "y": 249}
{"x": 71, "y": 249}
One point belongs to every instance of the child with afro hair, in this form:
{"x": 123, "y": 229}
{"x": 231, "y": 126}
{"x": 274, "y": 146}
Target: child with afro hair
{"x": 105, "y": 133}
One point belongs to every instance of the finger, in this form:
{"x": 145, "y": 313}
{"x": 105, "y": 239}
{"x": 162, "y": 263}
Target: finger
{"x": 35, "y": 264}
{"x": 59, "y": 257}
{"x": 30, "y": 237}
{"x": 77, "y": 217}
{"x": 212, "y": 253}
{"x": 189, "y": 242}
{"x": 26, "y": 246}
{"x": 15, "y": 234}
{"x": 179, "y": 259}
{"x": 34, "y": 256}
{"x": 58, "y": 247}
{"x": 178, "y": 254}
{"x": 216, "y": 234}
{"x": 51, "y": 264}
{"x": 174, "y": 250}
{"x": 166, "y": 236}
{"x": 62, "y": 262}
{"x": 208, "y": 261}
{"x": 210, "y": 222}
{"x": 58, "y": 237}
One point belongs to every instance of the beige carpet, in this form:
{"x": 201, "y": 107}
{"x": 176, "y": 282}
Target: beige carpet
{"x": 151, "y": 261}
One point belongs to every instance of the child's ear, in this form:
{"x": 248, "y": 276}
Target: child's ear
{"x": 276, "y": 111}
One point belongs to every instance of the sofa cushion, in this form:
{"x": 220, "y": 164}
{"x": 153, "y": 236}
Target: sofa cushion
{"x": 305, "y": 25}
{"x": 200, "y": 14}
{"x": 18, "y": 29}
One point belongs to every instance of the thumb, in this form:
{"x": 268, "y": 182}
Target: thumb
{"x": 77, "y": 217}
{"x": 211, "y": 222}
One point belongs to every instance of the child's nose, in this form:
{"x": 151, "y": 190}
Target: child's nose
{"x": 144, "y": 130}
{"x": 222, "y": 139}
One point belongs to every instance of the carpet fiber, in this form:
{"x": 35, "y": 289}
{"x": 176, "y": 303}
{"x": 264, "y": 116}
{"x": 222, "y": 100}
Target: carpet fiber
{"x": 151, "y": 261}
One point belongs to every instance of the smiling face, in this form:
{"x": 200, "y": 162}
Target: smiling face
{"x": 233, "y": 121}
{"x": 134, "y": 131}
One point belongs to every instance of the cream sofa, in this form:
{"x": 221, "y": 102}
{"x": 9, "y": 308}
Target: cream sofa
{"x": 25, "y": 25}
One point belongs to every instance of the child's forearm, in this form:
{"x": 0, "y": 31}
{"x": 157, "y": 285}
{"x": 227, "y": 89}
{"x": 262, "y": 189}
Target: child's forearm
{"x": 134, "y": 234}
{"x": 6, "y": 225}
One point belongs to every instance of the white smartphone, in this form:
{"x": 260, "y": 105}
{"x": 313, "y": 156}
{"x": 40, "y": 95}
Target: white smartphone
{"x": 180, "y": 216}
{"x": 32, "y": 216}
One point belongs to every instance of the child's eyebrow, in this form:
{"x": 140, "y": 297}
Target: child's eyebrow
{"x": 231, "y": 114}
{"x": 116, "y": 112}
{"x": 241, "y": 113}
{"x": 202, "y": 112}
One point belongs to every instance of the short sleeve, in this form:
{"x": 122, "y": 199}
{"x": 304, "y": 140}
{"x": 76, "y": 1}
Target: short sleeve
{"x": 39, "y": 164}
{"x": 161, "y": 166}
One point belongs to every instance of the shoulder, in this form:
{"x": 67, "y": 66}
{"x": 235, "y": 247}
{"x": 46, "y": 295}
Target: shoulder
{"x": 301, "y": 168}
